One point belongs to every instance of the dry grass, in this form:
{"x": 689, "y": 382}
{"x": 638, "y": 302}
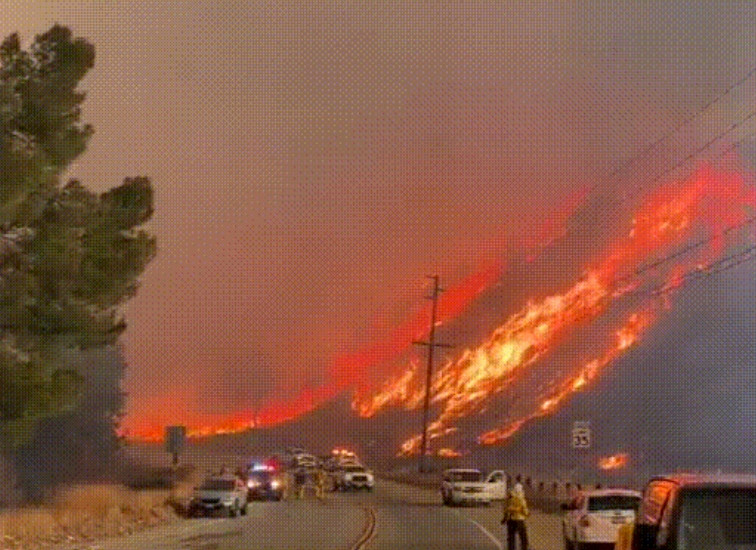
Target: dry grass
{"x": 18, "y": 526}
{"x": 84, "y": 512}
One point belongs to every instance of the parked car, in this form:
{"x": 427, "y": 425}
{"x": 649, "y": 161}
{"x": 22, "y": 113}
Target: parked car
{"x": 592, "y": 518}
{"x": 354, "y": 477}
{"x": 470, "y": 485}
{"x": 694, "y": 512}
{"x": 224, "y": 493}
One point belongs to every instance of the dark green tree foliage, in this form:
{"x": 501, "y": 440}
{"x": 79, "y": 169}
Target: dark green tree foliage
{"x": 68, "y": 257}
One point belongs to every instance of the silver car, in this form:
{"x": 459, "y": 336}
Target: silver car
{"x": 225, "y": 494}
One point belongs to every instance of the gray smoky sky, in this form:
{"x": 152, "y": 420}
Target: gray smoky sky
{"x": 314, "y": 161}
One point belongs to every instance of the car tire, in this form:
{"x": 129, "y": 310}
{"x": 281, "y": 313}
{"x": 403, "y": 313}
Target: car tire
{"x": 243, "y": 509}
{"x": 567, "y": 544}
{"x": 233, "y": 510}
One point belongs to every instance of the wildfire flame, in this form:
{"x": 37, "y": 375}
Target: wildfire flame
{"x": 614, "y": 462}
{"x": 625, "y": 337}
{"x": 445, "y": 452}
{"x": 710, "y": 200}
{"x": 707, "y": 203}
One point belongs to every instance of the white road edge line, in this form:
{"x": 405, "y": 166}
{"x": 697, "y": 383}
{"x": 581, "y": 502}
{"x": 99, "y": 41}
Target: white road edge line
{"x": 496, "y": 541}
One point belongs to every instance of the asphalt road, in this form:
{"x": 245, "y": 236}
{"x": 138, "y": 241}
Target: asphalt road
{"x": 411, "y": 518}
{"x": 393, "y": 517}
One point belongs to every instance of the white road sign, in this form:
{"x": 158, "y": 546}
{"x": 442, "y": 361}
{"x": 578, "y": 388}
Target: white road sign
{"x": 581, "y": 435}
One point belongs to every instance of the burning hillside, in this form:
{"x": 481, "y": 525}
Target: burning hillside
{"x": 708, "y": 205}
{"x": 681, "y": 227}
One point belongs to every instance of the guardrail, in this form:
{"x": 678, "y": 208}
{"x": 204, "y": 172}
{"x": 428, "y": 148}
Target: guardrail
{"x": 543, "y": 494}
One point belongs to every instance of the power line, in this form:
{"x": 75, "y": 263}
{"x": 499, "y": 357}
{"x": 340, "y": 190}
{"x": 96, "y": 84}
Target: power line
{"x": 685, "y": 250}
{"x": 431, "y": 344}
{"x": 712, "y": 268}
{"x": 687, "y": 121}
{"x": 696, "y": 244}
{"x": 648, "y": 149}
{"x": 633, "y": 193}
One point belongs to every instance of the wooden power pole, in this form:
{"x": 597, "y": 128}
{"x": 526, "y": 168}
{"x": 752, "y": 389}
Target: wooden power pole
{"x": 431, "y": 343}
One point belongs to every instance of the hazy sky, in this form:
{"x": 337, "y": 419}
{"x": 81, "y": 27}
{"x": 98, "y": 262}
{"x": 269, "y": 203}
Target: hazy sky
{"x": 314, "y": 161}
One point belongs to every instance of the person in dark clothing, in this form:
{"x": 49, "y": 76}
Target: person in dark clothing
{"x": 300, "y": 479}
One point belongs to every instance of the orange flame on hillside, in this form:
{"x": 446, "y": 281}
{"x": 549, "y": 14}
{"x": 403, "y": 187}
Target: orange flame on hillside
{"x": 625, "y": 337}
{"x": 346, "y": 370}
{"x": 614, "y": 462}
{"x": 709, "y": 200}
{"x": 446, "y": 452}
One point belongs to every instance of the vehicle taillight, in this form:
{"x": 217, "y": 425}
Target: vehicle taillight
{"x": 585, "y": 521}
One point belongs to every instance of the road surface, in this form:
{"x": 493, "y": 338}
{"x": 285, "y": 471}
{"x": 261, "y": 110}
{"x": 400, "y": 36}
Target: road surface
{"x": 393, "y": 517}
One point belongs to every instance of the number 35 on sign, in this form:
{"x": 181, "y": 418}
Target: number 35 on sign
{"x": 581, "y": 435}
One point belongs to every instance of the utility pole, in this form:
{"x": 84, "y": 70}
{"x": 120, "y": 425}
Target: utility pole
{"x": 431, "y": 343}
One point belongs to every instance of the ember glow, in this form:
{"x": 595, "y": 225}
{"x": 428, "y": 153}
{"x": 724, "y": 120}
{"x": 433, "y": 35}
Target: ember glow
{"x": 614, "y": 462}
{"x": 449, "y": 453}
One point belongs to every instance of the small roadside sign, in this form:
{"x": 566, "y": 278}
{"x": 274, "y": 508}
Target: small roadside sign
{"x": 581, "y": 435}
{"x": 175, "y": 437}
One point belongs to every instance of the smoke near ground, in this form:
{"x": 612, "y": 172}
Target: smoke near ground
{"x": 81, "y": 445}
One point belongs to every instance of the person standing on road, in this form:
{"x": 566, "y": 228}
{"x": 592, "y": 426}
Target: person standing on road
{"x": 300, "y": 480}
{"x": 320, "y": 484}
{"x": 285, "y": 478}
{"x": 515, "y": 513}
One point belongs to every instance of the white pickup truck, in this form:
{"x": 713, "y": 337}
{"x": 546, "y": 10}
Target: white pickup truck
{"x": 461, "y": 485}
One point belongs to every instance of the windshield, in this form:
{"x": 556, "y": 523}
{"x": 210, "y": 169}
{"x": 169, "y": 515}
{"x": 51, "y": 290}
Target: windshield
{"x": 354, "y": 469}
{"x": 613, "y": 502}
{"x": 464, "y": 476}
{"x": 218, "y": 485}
{"x": 260, "y": 476}
{"x": 717, "y": 519}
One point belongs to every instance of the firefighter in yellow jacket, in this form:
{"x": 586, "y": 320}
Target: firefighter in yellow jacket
{"x": 625, "y": 537}
{"x": 515, "y": 513}
{"x": 320, "y": 481}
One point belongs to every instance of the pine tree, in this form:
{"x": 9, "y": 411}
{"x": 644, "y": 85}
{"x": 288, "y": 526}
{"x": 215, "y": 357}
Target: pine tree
{"x": 69, "y": 258}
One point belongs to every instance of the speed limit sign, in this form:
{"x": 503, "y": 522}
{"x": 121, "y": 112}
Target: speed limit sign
{"x": 581, "y": 435}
